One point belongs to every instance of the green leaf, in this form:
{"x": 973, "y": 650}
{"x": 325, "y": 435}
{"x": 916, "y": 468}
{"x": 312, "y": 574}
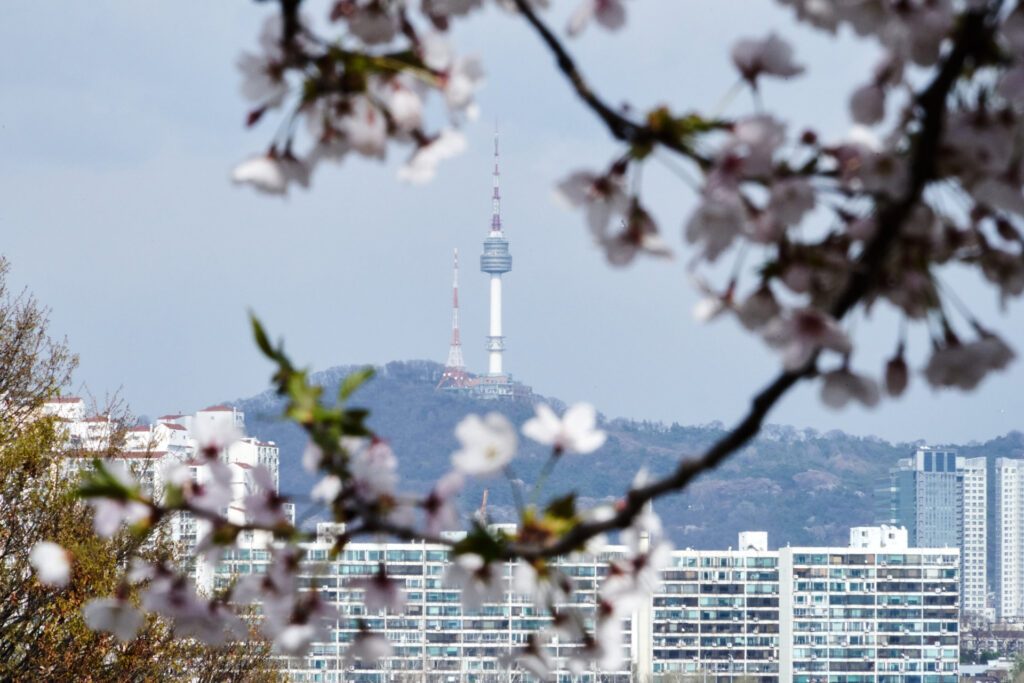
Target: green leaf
{"x": 480, "y": 542}
{"x": 562, "y": 508}
{"x": 355, "y": 380}
{"x": 262, "y": 340}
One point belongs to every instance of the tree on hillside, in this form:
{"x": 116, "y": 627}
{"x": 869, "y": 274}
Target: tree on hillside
{"x": 812, "y": 233}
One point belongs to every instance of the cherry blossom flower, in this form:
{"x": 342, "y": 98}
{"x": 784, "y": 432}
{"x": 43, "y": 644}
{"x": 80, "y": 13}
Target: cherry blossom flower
{"x": 638, "y": 236}
{"x": 610, "y": 14}
{"x": 488, "y": 444}
{"x": 450, "y": 8}
{"x": 110, "y": 513}
{"x": 803, "y": 332}
{"x": 327, "y": 489}
{"x": 478, "y": 581}
{"x": 213, "y": 437}
{"x": 264, "y": 172}
{"x": 439, "y": 506}
{"x": 263, "y": 74}
{"x": 380, "y": 592}
{"x": 264, "y": 506}
{"x": 113, "y": 615}
{"x": 309, "y": 621}
{"x": 372, "y": 23}
{"x": 175, "y": 597}
{"x": 374, "y": 471}
{"x": 769, "y": 56}
{"x": 758, "y": 309}
{"x": 602, "y": 196}
{"x": 542, "y": 583}
{"x": 367, "y": 648}
{"x": 790, "y": 200}
{"x": 422, "y": 167}
{"x": 575, "y": 432}
{"x": 364, "y": 128}
{"x": 750, "y": 149}
{"x": 51, "y": 562}
{"x": 461, "y": 82}
{"x": 312, "y": 456}
{"x": 212, "y": 492}
{"x": 716, "y": 222}
{"x": 964, "y": 365}
{"x": 841, "y": 386}
{"x": 404, "y": 104}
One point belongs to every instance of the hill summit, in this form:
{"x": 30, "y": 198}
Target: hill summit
{"x": 801, "y": 486}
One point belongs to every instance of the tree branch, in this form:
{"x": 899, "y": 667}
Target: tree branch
{"x": 969, "y": 41}
{"x": 621, "y": 127}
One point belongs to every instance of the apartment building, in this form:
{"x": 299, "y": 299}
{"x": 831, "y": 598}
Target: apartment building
{"x": 876, "y": 611}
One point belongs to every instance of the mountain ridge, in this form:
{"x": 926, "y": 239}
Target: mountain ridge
{"x": 802, "y": 486}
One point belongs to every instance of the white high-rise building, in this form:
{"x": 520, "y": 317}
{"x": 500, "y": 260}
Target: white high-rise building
{"x": 974, "y": 535}
{"x": 1009, "y": 538}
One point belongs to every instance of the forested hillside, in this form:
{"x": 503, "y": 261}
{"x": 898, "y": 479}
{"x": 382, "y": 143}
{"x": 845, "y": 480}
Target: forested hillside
{"x": 801, "y": 486}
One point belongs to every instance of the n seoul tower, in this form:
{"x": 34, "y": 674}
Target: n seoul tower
{"x": 495, "y": 261}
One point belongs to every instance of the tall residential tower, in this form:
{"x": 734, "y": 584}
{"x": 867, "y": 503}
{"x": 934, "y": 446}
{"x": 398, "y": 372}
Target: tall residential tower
{"x": 940, "y": 498}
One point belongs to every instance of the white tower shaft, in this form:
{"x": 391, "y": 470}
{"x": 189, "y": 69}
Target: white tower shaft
{"x": 496, "y": 344}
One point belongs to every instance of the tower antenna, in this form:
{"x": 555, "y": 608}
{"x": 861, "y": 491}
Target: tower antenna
{"x": 454, "y": 375}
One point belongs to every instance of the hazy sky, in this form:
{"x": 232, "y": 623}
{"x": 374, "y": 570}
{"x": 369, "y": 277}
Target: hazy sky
{"x": 119, "y": 123}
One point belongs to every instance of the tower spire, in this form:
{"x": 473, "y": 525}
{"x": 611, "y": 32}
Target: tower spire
{"x": 496, "y": 193}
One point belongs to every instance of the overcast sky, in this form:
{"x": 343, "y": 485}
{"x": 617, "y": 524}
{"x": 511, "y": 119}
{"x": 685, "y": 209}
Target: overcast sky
{"x": 119, "y": 123}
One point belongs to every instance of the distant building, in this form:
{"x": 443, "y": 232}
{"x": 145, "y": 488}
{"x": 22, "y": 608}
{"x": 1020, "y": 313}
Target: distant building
{"x": 150, "y": 452}
{"x": 1009, "y": 538}
{"x": 940, "y": 498}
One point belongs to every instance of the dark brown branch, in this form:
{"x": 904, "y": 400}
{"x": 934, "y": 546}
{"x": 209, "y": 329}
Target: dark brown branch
{"x": 970, "y": 40}
{"x": 619, "y": 125}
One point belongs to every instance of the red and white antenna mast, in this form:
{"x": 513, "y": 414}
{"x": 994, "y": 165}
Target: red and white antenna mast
{"x": 455, "y": 349}
{"x": 454, "y": 375}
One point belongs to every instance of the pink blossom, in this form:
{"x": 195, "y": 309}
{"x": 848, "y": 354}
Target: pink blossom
{"x": 769, "y": 56}
{"x": 575, "y": 432}
{"x": 803, "y": 332}
{"x": 611, "y": 14}
{"x": 841, "y": 386}
{"x": 51, "y": 562}
{"x": 380, "y": 592}
{"x": 439, "y": 506}
{"x": 487, "y": 444}
{"x": 601, "y": 196}
{"x": 478, "y": 581}
{"x": 113, "y": 615}
{"x": 960, "y": 365}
